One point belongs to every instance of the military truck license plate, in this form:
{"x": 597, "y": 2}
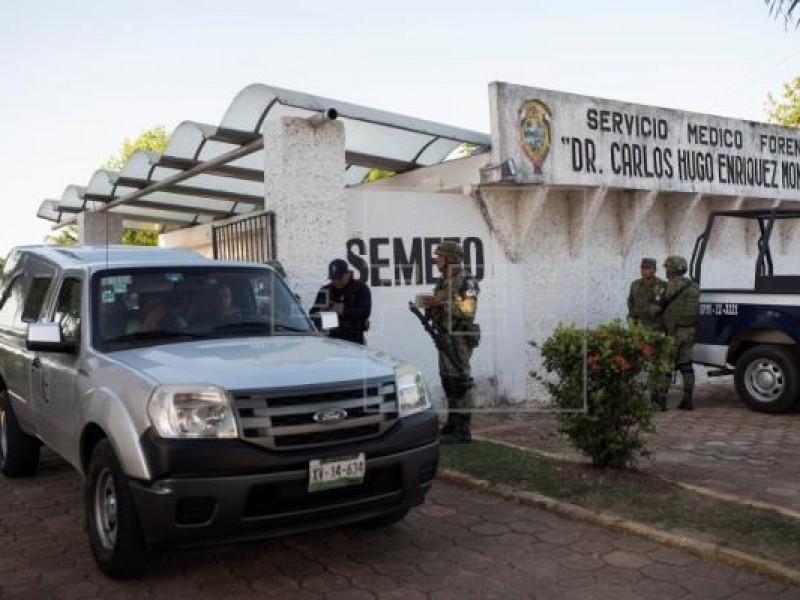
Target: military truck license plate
{"x": 331, "y": 473}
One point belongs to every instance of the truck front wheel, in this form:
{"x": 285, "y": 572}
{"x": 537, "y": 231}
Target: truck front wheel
{"x": 767, "y": 378}
{"x": 115, "y": 534}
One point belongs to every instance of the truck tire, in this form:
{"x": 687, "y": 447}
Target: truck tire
{"x": 115, "y": 534}
{"x": 19, "y": 452}
{"x": 767, "y": 378}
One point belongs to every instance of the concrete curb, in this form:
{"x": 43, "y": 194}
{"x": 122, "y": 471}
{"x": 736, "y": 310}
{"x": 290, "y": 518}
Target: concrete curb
{"x": 697, "y": 489}
{"x": 734, "y": 558}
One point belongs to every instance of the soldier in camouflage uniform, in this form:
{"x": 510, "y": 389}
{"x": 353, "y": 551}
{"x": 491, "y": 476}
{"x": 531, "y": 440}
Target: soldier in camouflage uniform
{"x": 646, "y": 296}
{"x": 680, "y": 320}
{"x": 645, "y": 301}
{"x": 452, "y": 307}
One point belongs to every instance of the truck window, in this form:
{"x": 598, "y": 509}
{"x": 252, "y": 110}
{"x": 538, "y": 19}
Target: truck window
{"x": 732, "y": 245}
{"x": 10, "y": 302}
{"x": 68, "y": 309}
{"x": 151, "y": 305}
{"x": 32, "y": 309}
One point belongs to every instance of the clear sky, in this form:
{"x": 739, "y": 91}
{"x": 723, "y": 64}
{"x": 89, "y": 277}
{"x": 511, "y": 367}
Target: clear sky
{"x": 77, "y": 77}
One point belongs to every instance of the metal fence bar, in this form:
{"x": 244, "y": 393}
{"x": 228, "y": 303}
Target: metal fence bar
{"x": 248, "y": 239}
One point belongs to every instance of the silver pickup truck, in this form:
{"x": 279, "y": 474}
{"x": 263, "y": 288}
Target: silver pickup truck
{"x": 199, "y": 403}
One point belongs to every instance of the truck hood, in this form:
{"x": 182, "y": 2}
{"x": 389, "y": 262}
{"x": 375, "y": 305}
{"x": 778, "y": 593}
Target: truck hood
{"x": 257, "y": 363}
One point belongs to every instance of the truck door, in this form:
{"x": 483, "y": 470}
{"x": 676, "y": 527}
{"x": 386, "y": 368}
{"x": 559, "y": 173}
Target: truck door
{"x": 22, "y": 303}
{"x": 57, "y": 375}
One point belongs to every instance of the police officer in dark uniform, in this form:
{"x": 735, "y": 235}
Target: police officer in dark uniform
{"x": 349, "y": 298}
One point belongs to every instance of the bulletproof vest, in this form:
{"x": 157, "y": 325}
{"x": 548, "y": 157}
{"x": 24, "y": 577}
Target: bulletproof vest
{"x": 682, "y": 297}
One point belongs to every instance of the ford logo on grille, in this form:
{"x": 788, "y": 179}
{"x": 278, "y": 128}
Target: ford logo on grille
{"x": 328, "y": 416}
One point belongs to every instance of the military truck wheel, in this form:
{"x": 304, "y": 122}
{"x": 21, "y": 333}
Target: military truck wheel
{"x": 115, "y": 534}
{"x": 385, "y": 520}
{"x": 767, "y": 378}
{"x": 19, "y": 452}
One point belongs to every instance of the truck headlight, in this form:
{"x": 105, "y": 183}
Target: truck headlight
{"x": 192, "y": 411}
{"x": 412, "y": 393}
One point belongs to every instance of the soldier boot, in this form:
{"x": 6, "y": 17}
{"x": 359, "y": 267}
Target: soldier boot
{"x": 449, "y": 425}
{"x": 461, "y": 433}
{"x": 660, "y": 400}
{"x": 687, "y": 372}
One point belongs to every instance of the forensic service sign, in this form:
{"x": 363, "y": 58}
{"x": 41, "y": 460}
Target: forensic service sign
{"x": 566, "y": 139}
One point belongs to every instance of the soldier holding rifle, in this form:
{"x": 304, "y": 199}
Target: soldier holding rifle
{"x": 450, "y": 319}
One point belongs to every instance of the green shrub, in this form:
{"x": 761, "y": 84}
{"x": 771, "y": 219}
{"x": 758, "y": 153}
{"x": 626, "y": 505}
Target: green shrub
{"x": 602, "y": 393}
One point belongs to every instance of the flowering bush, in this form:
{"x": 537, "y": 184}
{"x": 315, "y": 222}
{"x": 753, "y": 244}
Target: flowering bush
{"x": 605, "y": 376}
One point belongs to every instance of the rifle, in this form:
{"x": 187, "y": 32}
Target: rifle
{"x": 440, "y": 339}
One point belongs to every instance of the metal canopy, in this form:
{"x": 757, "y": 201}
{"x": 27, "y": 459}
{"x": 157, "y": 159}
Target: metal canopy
{"x": 210, "y": 172}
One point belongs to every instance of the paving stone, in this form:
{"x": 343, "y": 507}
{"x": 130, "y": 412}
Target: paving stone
{"x": 489, "y": 529}
{"x": 502, "y": 550}
{"x": 402, "y": 594}
{"x": 600, "y": 592}
{"x": 626, "y": 560}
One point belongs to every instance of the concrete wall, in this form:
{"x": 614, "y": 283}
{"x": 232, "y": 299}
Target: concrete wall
{"x": 198, "y": 239}
{"x": 385, "y": 229}
{"x": 99, "y": 229}
{"x": 549, "y": 254}
{"x": 304, "y": 186}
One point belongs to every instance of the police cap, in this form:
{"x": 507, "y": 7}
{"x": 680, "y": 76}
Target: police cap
{"x": 337, "y": 268}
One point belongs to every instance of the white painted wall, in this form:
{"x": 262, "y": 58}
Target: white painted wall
{"x": 498, "y": 363}
{"x": 551, "y": 254}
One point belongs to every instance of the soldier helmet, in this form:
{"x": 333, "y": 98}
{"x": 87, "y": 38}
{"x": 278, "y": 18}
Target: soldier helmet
{"x": 676, "y": 263}
{"x": 649, "y": 262}
{"x": 450, "y": 250}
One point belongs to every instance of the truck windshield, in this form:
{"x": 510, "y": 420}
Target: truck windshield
{"x": 150, "y": 305}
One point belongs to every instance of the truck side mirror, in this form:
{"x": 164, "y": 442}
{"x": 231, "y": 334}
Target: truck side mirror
{"x": 47, "y": 337}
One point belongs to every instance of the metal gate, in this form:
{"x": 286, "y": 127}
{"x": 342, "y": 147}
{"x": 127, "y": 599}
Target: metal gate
{"x": 246, "y": 239}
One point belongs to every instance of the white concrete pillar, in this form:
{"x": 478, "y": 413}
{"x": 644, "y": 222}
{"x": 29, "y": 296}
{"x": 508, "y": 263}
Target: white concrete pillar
{"x": 99, "y": 229}
{"x": 304, "y": 185}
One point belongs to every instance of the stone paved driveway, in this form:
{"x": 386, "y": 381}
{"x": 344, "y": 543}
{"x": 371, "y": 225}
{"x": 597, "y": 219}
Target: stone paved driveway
{"x": 461, "y": 544}
{"x": 721, "y": 445}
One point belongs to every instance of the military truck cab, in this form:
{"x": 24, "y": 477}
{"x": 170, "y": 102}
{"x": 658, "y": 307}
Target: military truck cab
{"x": 752, "y": 333}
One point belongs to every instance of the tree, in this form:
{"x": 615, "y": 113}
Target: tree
{"x": 154, "y": 139}
{"x": 66, "y": 236}
{"x": 784, "y": 8}
{"x": 786, "y": 109}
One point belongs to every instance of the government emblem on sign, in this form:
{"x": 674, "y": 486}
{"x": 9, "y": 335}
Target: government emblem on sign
{"x": 534, "y": 132}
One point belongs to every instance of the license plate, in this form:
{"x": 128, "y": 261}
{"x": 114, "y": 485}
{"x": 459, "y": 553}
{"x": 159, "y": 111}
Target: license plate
{"x": 330, "y": 473}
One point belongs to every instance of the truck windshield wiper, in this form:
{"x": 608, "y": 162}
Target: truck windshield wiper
{"x": 292, "y": 328}
{"x": 239, "y": 326}
{"x": 155, "y": 334}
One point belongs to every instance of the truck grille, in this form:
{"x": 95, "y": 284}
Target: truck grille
{"x": 284, "y": 419}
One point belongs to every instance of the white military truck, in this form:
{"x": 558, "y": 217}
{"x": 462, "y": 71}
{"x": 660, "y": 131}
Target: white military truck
{"x": 199, "y": 403}
{"x": 752, "y": 333}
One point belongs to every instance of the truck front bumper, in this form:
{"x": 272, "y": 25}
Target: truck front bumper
{"x": 186, "y": 510}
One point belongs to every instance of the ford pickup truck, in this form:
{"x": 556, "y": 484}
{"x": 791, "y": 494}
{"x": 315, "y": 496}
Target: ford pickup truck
{"x": 199, "y": 403}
